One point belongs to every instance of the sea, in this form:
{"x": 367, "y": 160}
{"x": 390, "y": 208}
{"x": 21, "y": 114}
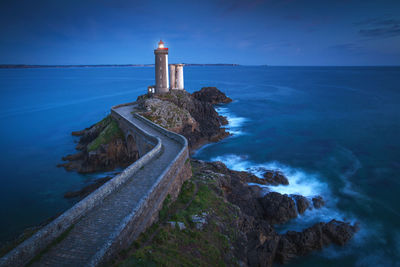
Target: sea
{"x": 333, "y": 131}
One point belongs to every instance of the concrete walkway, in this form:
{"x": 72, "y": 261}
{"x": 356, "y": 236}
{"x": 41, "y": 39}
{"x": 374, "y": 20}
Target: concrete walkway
{"x": 94, "y": 229}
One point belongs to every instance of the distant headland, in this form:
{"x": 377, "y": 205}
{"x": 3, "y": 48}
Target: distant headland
{"x": 26, "y": 66}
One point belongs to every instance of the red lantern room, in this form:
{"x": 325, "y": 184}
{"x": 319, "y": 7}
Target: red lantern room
{"x": 161, "y": 45}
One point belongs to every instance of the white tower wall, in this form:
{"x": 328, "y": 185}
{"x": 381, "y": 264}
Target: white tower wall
{"x": 172, "y": 72}
{"x": 179, "y": 77}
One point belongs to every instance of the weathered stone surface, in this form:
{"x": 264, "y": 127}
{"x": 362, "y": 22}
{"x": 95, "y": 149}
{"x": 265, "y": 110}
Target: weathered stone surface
{"x": 168, "y": 115}
{"x": 278, "y": 208}
{"x": 318, "y": 202}
{"x": 205, "y": 126}
{"x": 302, "y": 203}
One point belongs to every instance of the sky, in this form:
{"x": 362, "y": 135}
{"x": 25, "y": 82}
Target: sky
{"x": 253, "y": 32}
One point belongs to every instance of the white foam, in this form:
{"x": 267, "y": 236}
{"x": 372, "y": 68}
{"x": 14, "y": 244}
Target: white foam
{"x": 235, "y": 123}
{"x": 300, "y": 182}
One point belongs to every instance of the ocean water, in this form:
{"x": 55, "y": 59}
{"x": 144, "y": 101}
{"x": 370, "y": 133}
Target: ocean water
{"x": 333, "y": 131}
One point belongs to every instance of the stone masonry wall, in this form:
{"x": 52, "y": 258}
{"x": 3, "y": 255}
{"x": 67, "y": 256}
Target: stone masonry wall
{"x": 168, "y": 183}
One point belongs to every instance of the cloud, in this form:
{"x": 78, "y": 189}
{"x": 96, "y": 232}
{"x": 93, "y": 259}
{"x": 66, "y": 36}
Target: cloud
{"x": 349, "y": 48}
{"x": 381, "y": 32}
{"x": 379, "y": 27}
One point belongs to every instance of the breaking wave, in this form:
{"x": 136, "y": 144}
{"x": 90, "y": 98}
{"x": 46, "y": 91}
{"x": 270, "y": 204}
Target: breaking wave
{"x": 302, "y": 183}
{"x": 235, "y": 123}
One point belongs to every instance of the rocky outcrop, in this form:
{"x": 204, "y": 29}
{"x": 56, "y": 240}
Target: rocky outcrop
{"x": 211, "y": 95}
{"x": 258, "y": 243}
{"x": 193, "y": 116}
{"x": 278, "y": 208}
{"x": 293, "y": 244}
{"x": 102, "y": 147}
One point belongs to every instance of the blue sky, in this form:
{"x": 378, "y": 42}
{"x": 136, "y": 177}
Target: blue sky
{"x": 273, "y": 32}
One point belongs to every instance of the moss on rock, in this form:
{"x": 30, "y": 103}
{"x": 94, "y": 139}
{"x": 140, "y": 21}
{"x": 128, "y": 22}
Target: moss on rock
{"x": 109, "y": 133}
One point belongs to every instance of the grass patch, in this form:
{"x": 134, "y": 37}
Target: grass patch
{"x": 109, "y": 133}
{"x": 162, "y": 245}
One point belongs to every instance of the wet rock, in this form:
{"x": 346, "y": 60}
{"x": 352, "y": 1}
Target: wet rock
{"x": 211, "y": 95}
{"x": 318, "y": 202}
{"x": 293, "y": 244}
{"x": 275, "y": 178}
{"x": 223, "y": 120}
{"x": 278, "y": 208}
{"x": 302, "y": 203}
{"x": 259, "y": 244}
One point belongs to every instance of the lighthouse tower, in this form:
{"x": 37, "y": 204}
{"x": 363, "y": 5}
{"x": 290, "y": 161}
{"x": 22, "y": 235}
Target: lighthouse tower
{"x": 161, "y": 68}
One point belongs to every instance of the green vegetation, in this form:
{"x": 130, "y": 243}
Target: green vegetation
{"x": 109, "y": 133}
{"x": 209, "y": 245}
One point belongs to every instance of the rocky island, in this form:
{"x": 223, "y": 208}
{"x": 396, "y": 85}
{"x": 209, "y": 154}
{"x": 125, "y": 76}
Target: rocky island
{"x": 218, "y": 218}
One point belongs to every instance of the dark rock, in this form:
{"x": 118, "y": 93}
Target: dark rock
{"x": 107, "y": 157}
{"x": 256, "y": 191}
{"x": 258, "y": 243}
{"x": 223, "y": 120}
{"x": 275, "y": 178}
{"x": 262, "y": 244}
{"x": 87, "y": 189}
{"x": 211, "y": 95}
{"x": 293, "y": 244}
{"x": 318, "y": 202}
{"x": 278, "y": 208}
{"x": 302, "y": 203}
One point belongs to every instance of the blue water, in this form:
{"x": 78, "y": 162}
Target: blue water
{"x": 333, "y": 131}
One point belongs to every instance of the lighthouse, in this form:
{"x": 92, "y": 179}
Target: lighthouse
{"x": 161, "y": 68}
{"x": 165, "y": 83}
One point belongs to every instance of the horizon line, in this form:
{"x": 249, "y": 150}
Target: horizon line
{"x": 188, "y": 64}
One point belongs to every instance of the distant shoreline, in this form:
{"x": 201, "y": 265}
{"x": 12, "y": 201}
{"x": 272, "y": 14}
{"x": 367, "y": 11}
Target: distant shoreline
{"x": 24, "y": 66}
